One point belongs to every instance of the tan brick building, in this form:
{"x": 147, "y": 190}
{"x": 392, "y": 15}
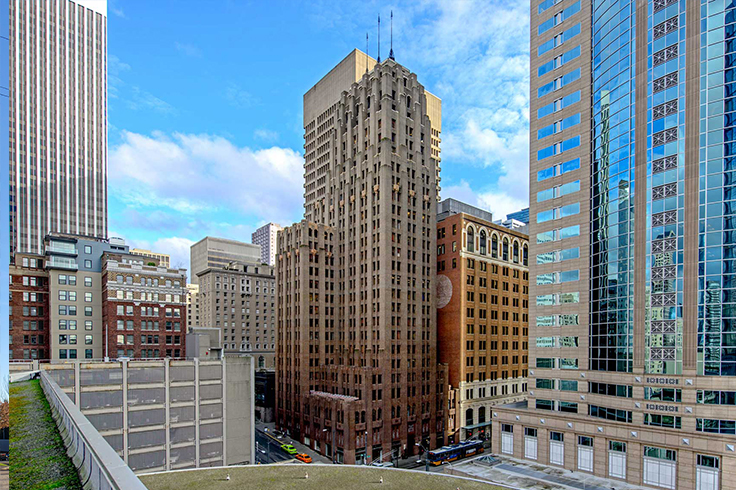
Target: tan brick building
{"x": 357, "y": 371}
{"x": 482, "y": 316}
{"x": 240, "y": 301}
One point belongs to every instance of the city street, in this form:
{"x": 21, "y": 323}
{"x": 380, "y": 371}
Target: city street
{"x": 267, "y": 451}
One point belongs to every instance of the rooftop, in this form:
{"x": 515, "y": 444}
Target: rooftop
{"x": 278, "y": 477}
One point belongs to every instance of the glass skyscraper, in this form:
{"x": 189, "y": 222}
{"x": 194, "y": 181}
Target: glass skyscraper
{"x": 633, "y": 188}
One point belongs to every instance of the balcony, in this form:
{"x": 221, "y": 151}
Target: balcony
{"x": 61, "y": 248}
{"x": 56, "y": 262}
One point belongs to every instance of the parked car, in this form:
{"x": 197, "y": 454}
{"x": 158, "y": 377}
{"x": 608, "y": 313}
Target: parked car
{"x": 289, "y": 448}
{"x": 383, "y": 464}
{"x": 304, "y": 457}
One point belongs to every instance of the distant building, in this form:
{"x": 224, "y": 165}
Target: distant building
{"x": 265, "y": 236}
{"x": 240, "y": 301}
{"x": 192, "y": 305}
{"x": 450, "y": 206}
{"x": 522, "y": 216}
{"x": 219, "y": 252}
{"x": 482, "y": 317}
{"x": 265, "y": 395}
{"x": 164, "y": 260}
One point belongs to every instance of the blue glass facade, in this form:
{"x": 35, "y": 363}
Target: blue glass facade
{"x": 612, "y": 192}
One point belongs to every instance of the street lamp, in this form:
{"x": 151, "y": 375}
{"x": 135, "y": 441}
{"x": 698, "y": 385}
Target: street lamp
{"x": 426, "y": 454}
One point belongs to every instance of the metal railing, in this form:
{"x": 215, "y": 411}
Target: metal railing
{"x": 99, "y": 466}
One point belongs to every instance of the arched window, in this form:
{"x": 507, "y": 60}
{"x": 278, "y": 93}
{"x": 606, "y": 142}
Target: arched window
{"x": 494, "y": 246}
{"x": 516, "y": 252}
{"x": 526, "y": 255}
{"x": 481, "y": 415}
{"x": 505, "y": 255}
{"x": 469, "y": 416}
{"x": 261, "y": 362}
{"x": 471, "y": 239}
{"x": 482, "y": 242}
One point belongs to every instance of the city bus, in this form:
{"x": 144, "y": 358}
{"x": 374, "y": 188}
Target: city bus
{"x": 455, "y": 452}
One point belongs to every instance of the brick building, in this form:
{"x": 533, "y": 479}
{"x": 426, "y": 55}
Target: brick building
{"x": 29, "y": 307}
{"x": 357, "y": 372}
{"x": 143, "y": 307}
{"x": 482, "y": 316}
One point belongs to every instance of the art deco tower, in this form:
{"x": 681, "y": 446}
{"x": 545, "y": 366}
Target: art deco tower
{"x": 58, "y": 120}
{"x": 357, "y": 372}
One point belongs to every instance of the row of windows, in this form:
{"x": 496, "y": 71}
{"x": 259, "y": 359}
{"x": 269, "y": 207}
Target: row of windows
{"x": 557, "y": 363}
{"x": 558, "y": 105}
{"x": 558, "y": 213}
{"x": 558, "y": 83}
{"x": 558, "y": 148}
{"x": 72, "y": 353}
{"x": 72, "y": 324}
{"x": 558, "y": 39}
{"x": 561, "y": 320}
{"x": 552, "y": 342}
{"x": 72, "y": 296}
{"x": 558, "y": 61}
{"x": 558, "y": 18}
{"x": 558, "y": 256}
{"x": 557, "y": 277}
{"x": 557, "y": 384}
{"x": 558, "y": 299}
{"x": 558, "y": 126}
{"x": 72, "y": 339}
{"x": 558, "y": 234}
{"x": 71, "y": 310}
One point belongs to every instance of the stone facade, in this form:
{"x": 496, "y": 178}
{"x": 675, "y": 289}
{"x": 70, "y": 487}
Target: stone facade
{"x": 358, "y": 377}
{"x": 240, "y": 301}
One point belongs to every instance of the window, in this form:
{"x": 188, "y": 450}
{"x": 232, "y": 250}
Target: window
{"x": 558, "y": 83}
{"x": 88, "y": 249}
{"x": 558, "y": 126}
{"x": 87, "y": 297}
{"x": 558, "y": 213}
{"x": 558, "y": 61}
{"x": 559, "y": 234}
{"x": 558, "y": 148}
{"x": 558, "y": 105}
{"x": 558, "y": 17}
{"x": 88, "y": 281}
{"x": 558, "y": 191}
{"x": 87, "y": 264}
{"x": 558, "y": 39}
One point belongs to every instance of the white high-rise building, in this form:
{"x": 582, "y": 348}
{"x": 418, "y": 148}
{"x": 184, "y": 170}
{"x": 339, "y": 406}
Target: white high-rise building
{"x": 265, "y": 236}
{"x": 57, "y": 120}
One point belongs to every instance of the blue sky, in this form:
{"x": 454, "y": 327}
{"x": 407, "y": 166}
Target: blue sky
{"x": 205, "y": 106}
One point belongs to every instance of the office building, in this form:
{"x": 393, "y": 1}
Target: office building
{"x": 632, "y": 364}
{"x": 522, "y": 215}
{"x": 29, "y": 307}
{"x": 357, "y": 371}
{"x": 240, "y": 301}
{"x": 482, "y": 316}
{"x": 163, "y": 260}
{"x": 58, "y": 121}
{"x": 265, "y": 237}
{"x": 144, "y": 307}
{"x": 219, "y": 252}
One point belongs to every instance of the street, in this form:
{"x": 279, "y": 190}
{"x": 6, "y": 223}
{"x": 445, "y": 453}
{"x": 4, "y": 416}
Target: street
{"x": 267, "y": 451}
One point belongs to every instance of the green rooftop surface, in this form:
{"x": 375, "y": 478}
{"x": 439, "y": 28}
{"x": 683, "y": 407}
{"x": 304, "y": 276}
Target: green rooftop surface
{"x": 321, "y": 477}
{"x": 38, "y": 459}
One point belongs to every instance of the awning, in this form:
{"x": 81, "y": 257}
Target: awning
{"x": 477, "y": 426}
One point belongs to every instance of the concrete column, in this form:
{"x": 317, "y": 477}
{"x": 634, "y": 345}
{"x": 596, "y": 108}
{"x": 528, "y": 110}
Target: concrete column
{"x": 167, "y": 407}
{"x": 77, "y": 385}
{"x": 196, "y": 412}
{"x": 125, "y": 410}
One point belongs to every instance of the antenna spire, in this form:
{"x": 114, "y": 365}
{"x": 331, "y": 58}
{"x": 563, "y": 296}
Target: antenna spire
{"x": 366, "y": 49}
{"x": 391, "y": 52}
{"x": 379, "y": 38}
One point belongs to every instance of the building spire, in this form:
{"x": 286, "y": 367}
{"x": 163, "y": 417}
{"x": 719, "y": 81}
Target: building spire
{"x": 379, "y": 38}
{"x": 366, "y": 49}
{"x": 391, "y": 52}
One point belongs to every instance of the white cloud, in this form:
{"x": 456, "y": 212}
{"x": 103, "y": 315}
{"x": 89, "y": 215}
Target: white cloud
{"x": 176, "y": 247}
{"x": 499, "y": 203}
{"x": 195, "y": 174}
{"x": 266, "y": 135}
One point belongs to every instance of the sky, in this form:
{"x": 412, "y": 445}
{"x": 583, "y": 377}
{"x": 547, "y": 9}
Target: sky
{"x": 205, "y": 106}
